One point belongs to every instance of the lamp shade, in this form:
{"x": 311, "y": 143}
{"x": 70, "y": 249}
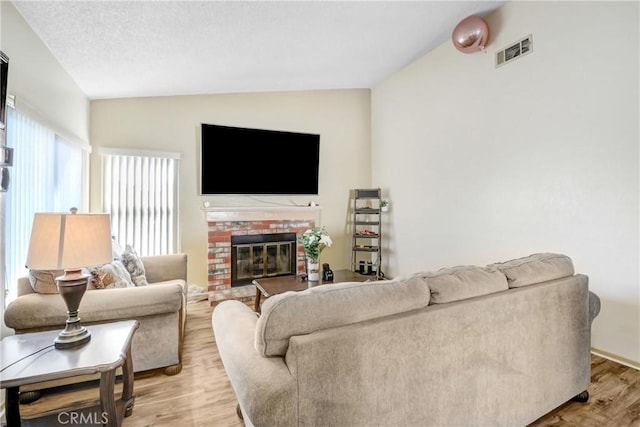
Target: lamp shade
{"x": 69, "y": 241}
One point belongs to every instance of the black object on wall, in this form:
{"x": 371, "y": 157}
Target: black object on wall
{"x": 6, "y": 153}
{"x": 236, "y": 160}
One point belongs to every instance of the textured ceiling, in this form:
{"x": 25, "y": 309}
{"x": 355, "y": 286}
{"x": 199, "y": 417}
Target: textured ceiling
{"x": 118, "y": 49}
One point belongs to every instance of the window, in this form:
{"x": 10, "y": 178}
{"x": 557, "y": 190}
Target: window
{"x": 48, "y": 175}
{"x": 140, "y": 191}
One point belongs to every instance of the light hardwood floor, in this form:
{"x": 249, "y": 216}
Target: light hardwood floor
{"x": 201, "y": 394}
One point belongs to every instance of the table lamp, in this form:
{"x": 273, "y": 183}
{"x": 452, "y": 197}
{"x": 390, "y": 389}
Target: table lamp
{"x": 69, "y": 242}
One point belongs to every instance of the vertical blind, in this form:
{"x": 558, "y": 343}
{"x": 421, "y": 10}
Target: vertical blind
{"x": 140, "y": 191}
{"x": 47, "y": 176}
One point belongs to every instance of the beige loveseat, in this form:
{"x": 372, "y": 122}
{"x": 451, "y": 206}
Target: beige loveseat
{"x": 500, "y": 345}
{"x": 160, "y": 308}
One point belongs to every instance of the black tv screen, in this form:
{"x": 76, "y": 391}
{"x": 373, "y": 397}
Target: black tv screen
{"x": 238, "y": 160}
{"x": 4, "y": 74}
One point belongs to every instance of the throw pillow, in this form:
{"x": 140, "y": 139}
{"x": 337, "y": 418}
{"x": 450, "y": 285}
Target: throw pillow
{"x": 134, "y": 266}
{"x": 44, "y": 281}
{"x": 116, "y": 249}
{"x": 111, "y": 275}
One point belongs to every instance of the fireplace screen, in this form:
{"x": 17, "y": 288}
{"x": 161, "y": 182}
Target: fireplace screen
{"x": 262, "y": 255}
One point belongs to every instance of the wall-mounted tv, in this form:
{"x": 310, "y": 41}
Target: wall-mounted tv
{"x": 4, "y": 76}
{"x": 245, "y": 161}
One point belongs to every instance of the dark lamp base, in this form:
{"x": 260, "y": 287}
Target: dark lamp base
{"x": 72, "y": 287}
{"x": 69, "y": 339}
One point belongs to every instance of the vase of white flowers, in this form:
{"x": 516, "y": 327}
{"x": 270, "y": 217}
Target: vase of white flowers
{"x": 314, "y": 240}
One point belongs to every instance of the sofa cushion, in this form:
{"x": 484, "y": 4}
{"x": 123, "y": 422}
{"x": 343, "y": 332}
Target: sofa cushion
{"x": 462, "y": 282}
{"x": 321, "y": 307}
{"x": 160, "y": 268}
{"x": 116, "y": 249}
{"x": 39, "y": 310}
{"x": 535, "y": 268}
{"x": 134, "y": 266}
{"x": 44, "y": 281}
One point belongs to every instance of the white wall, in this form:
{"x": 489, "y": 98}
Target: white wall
{"x": 541, "y": 155}
{"x": 341, "y": 117}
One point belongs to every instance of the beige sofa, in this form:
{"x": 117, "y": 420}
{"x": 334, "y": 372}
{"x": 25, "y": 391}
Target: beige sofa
{"x": 500, "y": 345}
{"x": 160, "y": 308}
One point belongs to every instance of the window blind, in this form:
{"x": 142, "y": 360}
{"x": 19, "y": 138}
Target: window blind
{"x": 48, "y": 175}
{"x": 140, "y": 191}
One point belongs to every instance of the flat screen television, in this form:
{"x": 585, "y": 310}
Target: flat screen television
{"x": 4, "y": 75}
{"x": 245, "y": 161}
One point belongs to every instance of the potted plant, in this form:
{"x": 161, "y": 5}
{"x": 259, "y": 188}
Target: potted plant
{"x": 384, "y": 205}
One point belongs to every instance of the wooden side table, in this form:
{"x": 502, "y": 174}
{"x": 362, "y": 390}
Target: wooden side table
{"x": 31, "y": 358}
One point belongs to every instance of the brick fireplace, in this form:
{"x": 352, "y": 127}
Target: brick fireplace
{"x": 225, "y": 222}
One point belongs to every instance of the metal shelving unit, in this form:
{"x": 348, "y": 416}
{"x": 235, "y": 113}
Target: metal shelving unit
{"x": 366, "y": 254}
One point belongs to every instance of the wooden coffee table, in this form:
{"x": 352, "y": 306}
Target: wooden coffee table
{"x": 31, "y": 358}
{"x": 269, "y": 286}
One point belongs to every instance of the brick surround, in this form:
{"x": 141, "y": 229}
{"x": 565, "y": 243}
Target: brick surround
{"x": 222, "y": 223}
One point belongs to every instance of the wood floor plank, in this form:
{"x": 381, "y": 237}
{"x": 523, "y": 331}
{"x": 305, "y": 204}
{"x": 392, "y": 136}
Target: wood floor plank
{"x": 614, "y": 399}
{"x": 201, "y": 395}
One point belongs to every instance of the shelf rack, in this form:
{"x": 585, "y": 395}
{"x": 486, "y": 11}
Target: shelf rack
{"x": 366, "y": 253}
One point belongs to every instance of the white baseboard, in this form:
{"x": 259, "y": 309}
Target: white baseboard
{"x": 615, "y": 358}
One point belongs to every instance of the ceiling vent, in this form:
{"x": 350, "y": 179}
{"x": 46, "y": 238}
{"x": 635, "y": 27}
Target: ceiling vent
{"x": 516, "y": 50}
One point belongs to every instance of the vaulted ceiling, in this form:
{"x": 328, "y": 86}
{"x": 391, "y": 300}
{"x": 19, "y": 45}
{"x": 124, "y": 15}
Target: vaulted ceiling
{"x": 118, "y": 49}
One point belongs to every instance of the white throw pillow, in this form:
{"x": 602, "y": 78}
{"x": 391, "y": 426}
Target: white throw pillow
{"x": 134, "y": 266}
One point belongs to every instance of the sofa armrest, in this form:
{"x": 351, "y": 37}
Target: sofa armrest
{"x": 161, "y": 268}
{"x": 41, "y": 311}
{"x": 263, "y": 386}
{"x": 24, "y": 286}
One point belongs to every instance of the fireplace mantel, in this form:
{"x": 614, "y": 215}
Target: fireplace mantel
{"x": 270, "y": 213}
